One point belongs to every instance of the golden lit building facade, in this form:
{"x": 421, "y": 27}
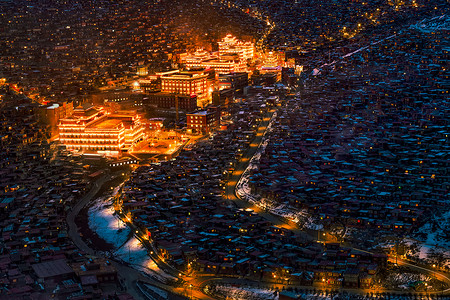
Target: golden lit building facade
{"x": 231, "y": 45}
{"x": 203, "y": 121}
{"x": 224, "y": 64}
{"x": 197, "y": 57}
{"x": 142, "y": 71}
{"x": 221, "y": 66}
{"x": 187, "y": 83}
{"x": 92, "y": 130}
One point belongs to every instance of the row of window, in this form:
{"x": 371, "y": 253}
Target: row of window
{"x": 94, "y": 148}
{"x": 90, "y": 142}
{"x": 88, "y": 136}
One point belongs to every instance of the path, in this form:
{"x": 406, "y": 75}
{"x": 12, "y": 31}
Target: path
{"x": 129, "y": 275}
{"x": 238, "y": 172}
{"x": 73, "y": 229}
{"x": 231, "y": 195}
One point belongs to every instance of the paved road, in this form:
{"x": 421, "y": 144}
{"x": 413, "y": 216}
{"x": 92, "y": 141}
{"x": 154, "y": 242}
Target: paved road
{"x": 73, "y": 229}
{"x": 439, "y": 275}
{"x": 230, "y": 194}
{"x": 241, "y": 166}
{"x": 131, "y": 275}
{"x": 127, "y": 274}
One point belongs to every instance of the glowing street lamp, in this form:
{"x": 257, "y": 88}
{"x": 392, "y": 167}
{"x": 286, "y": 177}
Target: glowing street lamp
{"x": 190, "y": 285}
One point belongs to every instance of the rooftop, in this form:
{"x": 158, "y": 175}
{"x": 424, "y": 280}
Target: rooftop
{"x": 52, "y": 268}
{"x": 199, "y": 113}
{"x": 106, "y": 124}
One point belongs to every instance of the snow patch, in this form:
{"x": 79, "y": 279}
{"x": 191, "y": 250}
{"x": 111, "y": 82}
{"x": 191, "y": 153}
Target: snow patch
{"x": 129, "y": 250}
{"x": 238, "y": 293}
{"x": 108, "y": 226}
{"x": 434, "y": 24}
{"x": 302, "y": 217}
{"x": 136, "y": 255}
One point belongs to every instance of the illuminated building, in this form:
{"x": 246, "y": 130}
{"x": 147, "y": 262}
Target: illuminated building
{"x": 187, "y": 103}
{"x": 272, "y": 66}
{"x": 116, "y": 95}
{"x": 222, "y": 65}
{"x": 237, "y": 81}
{"x": 142, "y": 71}
{"x": 153, "y": 82}
{"x": 136, "y": 86}
{"x": 232, "y": 57}
{"x": 203, "y": 121}
{"x": 223, "y": 97}
{"x": 231, "y": 45}
{"x": 197, "y": 57}
{"x": 271, "y": 60}
{"x": 91, "y": 130}
{"x": 150, "y": 83}
{"x": 154, "y": 123}
{"x": 50, "y": 114}
{"x": 187, "y": 83}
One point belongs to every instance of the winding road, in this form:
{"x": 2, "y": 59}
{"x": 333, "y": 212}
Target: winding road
{"x": 73, "y": 228}
{"x": 127, "y": 274}
{"x": 131, "y": 276}
{"x": 231, "y": 195}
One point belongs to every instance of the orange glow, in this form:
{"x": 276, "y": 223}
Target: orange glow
{"x": 91, "y": 129}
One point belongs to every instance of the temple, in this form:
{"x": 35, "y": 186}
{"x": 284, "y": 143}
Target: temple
{"x": 94, "y": 131}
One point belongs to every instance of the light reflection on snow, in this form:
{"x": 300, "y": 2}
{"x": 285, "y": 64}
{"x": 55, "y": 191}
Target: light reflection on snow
{"x": 108, "y": 226}
{"x": 241, "y": 293}
{"x": 135, "y": 254}
{"x": 114, "y": 231}
{"x": 152, "y": 265}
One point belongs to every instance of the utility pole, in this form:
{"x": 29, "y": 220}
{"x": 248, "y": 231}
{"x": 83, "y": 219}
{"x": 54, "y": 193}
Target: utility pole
{"x": 176, "y": 106}
{"x": 396, "y": 251}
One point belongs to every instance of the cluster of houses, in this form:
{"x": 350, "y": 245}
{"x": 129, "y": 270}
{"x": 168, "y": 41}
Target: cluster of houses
{"x": 366, "y": 143}
{"x": 180, "y": 205}
{"x": 319, "y": 25}
{"x": 38, "y": 259}
{"x": 82, "y": 47}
